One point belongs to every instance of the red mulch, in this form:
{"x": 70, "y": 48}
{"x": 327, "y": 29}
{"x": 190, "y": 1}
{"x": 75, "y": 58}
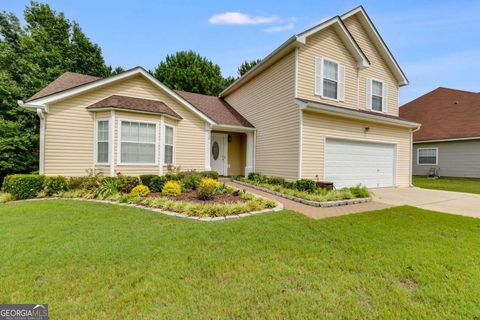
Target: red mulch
{"x": 192, "y": 196}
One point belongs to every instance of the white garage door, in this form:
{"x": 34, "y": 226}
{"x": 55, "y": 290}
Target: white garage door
{"x": 348, "y": 163}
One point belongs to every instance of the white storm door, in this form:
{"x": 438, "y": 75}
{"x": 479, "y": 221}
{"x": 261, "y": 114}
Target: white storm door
{"x": 218, "y": 153}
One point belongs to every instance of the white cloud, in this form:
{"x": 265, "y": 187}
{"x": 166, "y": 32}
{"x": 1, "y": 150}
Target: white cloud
{"x": 280, "y": 28}
{"x": 239, "y": 18}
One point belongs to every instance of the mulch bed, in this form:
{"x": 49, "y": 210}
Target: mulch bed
{"x": 192, "y": 196}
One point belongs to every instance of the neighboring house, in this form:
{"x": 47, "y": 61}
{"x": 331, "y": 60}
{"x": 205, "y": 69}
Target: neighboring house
{"x": 324, "y": 105}
{"x": 449, "y": 139}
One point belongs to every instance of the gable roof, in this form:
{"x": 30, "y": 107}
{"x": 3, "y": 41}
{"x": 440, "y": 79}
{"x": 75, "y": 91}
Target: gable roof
{"x": 379, "y": 43}
{"x": 135, "y": 104}
{"x": 337, "y": 23}
{"x": 216, "y": 108}
{"x": 59, "y": 95}
{"x": 65, "y": 81}
{"x": 445, "y": 114}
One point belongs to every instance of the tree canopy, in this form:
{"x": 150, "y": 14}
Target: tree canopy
{"x": 189, "y": 71}
{"x": 247, "y": 65}
{"x": 31, "y": 56}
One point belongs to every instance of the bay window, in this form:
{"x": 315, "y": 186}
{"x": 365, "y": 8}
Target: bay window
{"x": 138, "y": 141}
{"x": 102, "y": 143}
{"x": 169, "y": 144}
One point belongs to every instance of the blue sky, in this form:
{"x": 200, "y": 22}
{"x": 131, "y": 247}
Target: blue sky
{"x": 437, "y": 43}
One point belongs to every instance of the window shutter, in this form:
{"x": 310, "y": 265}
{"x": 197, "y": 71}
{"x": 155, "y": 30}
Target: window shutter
{"x": 384, "y": 98}
{"x": 341, "y": 83}
{"x": 318, "y": 76}
{"x": 369, "y": 93}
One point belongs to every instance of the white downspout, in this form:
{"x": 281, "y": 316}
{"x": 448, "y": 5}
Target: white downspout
{"x": 41, "y": 165}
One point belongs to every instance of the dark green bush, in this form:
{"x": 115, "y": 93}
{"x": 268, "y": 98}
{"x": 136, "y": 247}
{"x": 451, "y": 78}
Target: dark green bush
{"x": 279, "y": 181}
{"x": 153, "y": 182}
{"x": 127, "y": 183}
{"x": 54, "y": 185}
{"x": 23, "y": 186}
{"x": 306, "y": 185}
{"x": 257, "y": 177}
{"x": 209, "y": 174}
{"x": 191, "y": 182}
{"x": 88, "y": 182}
{"x": 172, "y": 176}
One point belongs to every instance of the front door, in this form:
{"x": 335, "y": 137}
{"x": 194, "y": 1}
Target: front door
{"x": 218, "y": 153}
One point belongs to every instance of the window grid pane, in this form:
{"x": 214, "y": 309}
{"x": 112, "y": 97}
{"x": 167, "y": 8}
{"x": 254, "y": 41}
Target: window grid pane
{"x": 377, "y": 103}
{"x": 330, "y": 88}
{"x": 330, "y": 70}
{"x": 138, "y": 142}
{"x": 102, "y": 141}
{"x": 427, "y": 156}
{"x": 168, "y": 154}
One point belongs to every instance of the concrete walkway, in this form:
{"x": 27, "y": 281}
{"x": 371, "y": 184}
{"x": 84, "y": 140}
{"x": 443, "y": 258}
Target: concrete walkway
{"x": 316, "y": 212}
{"x": 444, "y": 201}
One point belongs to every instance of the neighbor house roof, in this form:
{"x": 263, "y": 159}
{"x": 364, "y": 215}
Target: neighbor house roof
{"x": 215, "y": 108}
{"x": 445, "y": 114}
{"x": 65, "y": 81}
{"x": 134, "y": 104}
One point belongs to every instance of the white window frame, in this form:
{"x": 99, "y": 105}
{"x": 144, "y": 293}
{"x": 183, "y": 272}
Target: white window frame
{"x": 173, "y": 145}
{"x": 427, "y": 164}
{"x": 109, "y": 141}
{"x": 340, "y": 81}
{"x": 384, "y": 96}
{"x": 119, "y": 143}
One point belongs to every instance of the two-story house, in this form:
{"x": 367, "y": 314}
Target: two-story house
{"x": 323, "y": 105}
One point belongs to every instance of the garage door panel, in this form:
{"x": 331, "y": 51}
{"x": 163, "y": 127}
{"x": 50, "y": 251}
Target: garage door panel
{"x": 349, "y": 163}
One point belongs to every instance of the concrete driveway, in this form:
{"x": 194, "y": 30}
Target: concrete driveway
{"x": 444, "y": 201}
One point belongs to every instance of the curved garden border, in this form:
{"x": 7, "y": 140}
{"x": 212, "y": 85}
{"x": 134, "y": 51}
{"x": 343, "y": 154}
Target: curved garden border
{"x": 325, "y": 204}
{"x": 279, "y": 207}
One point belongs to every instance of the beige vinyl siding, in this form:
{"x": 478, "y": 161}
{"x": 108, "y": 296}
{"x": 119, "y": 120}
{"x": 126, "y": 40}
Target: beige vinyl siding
{"x": 69, "y": 134}
{"x": 317, "y": 127}
{"x": 267, "y": 102}
{"x": 455, "y": 159}
{"x": 378, "y": 68}
{"x": 326, "y": 44}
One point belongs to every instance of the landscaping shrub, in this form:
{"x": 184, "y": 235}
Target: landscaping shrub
{"x": 191, "y": 182}
{"x": 6, "y": 197}
{"x": 140, "y": 191}
{"x": 153, "y": 182}
{"x": 360, "y": 191}
{"x": 54, "y": 185}
{"x": 88, "y": 182}
{"x": 23, "y": 186}
{"x": 209, "y": 174}
{"x": 256, "y": 176}
{"x": 278, "y": 181}
{"x": 172, "y": 188}
{"x": 306, "y": 185}
{"x": 108, "y": 187}
{"x": 208, "y": 189}
{"x": 127, "y": 183}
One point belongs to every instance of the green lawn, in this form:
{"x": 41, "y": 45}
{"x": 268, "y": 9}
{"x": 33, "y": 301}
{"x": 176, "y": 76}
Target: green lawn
{"x": 93, "y": 261}
{"x": 449, "y": 184}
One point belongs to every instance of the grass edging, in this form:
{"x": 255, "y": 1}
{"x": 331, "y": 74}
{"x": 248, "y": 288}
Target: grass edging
{"x": 325, "y": 204}
{"x": 278, "y": 207}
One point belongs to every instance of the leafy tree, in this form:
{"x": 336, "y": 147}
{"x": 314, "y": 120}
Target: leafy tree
{"x": 31, "y": 57}
{"x": 247, "y": 65}
{"x": 189, "y": 71}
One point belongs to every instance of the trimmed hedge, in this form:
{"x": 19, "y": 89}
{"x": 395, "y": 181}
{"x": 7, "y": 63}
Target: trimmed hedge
{"x": 54, "y": 185}
{"x": 153, "y": 182}
{"x": 209, "y": 174}
{"x": 23, "y": 186}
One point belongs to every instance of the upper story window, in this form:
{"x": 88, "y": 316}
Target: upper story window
{"x": 138, "y": 141}
{"x": 427, "y": 156}
{"x": 329, "y": 79}
{"x": 376, "y": 95}
{"x": 102, "y": 143}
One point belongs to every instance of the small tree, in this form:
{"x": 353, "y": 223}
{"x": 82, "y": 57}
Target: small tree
{"x": 189, "y": 71}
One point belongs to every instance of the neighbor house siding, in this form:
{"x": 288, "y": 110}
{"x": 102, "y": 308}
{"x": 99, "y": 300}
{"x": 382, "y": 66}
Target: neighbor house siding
{"x": 317, "y": 127}
{"x": 378, "y": 69}
{"x": 69, "y": 134}
{"x": 267, "y": 103}
{"x": 455, "y": 159}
